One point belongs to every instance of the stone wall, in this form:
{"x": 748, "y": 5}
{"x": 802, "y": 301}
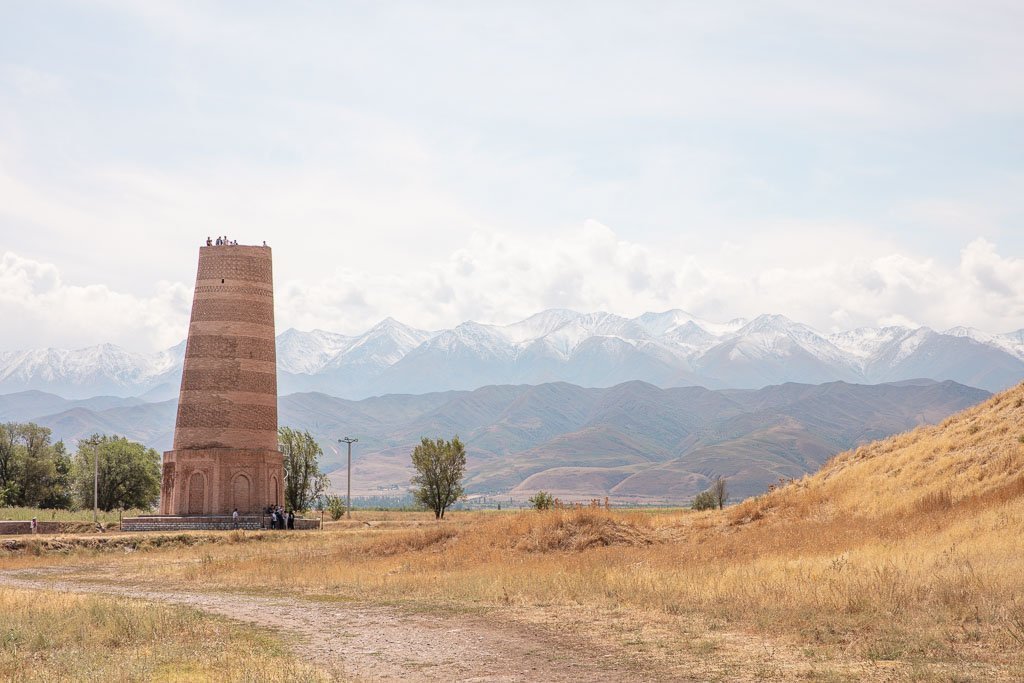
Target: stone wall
{"x": 17, "y": 527}
{"x": 219, "y": 480}
{"x": 207, "y": 523}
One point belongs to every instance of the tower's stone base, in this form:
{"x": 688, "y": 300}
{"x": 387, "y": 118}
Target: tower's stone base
{"x": 206, "y": 523}
{"x": 216, "y": 481}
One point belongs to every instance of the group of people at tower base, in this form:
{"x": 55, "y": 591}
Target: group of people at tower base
{"x": 279, "y": 517}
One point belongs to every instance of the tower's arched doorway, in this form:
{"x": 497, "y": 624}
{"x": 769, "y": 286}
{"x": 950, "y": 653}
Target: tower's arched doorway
{"x": 241, "y": 490}
{"x": 197, "y": 493}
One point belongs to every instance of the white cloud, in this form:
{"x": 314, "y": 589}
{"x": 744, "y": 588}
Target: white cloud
{"x": 499, "y": 277}
{"x": 29, "y": 82}
{"x": 823, "y": 160}
{"x": 39, "y": 309}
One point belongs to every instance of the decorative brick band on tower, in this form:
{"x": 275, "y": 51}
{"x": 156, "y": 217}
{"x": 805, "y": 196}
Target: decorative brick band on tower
{"x": 225, "y": 437}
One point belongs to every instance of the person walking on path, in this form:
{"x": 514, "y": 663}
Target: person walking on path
{"x": 234, "y": 518}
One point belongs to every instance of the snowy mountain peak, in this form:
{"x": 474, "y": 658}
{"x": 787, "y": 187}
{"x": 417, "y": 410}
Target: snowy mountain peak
{"x": 971, "y": 333}
{"x": 308, "y": 352}
{"x": 539, "y": 325}
{"x": 1012, "y": 342}
{"x": 390, "y": 323}
{"x": 768, "y": 323}
{"x": 658, "y": 324}
{"x": 668, "y": 348}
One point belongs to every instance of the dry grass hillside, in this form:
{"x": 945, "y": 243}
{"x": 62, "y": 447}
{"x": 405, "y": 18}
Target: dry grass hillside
{"x": 972, "y": 460}
{"x": 901, "y": 560}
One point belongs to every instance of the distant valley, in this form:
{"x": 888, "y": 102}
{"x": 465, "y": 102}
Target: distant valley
{"x": 633, "y": 441}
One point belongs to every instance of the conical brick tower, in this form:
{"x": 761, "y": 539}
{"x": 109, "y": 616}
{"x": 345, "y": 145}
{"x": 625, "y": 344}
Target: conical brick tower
{"x": 225, "y": 437}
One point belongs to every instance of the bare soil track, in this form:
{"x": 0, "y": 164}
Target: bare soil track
{"x": 372, "y": 642}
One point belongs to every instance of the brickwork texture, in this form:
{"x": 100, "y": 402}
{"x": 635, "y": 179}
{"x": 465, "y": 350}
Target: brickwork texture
{"x": 225, "y": 436}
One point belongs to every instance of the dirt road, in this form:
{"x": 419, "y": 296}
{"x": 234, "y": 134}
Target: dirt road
{"x": 370, "y": 642}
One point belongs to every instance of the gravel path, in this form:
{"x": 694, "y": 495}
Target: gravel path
{"x": 370, "y": 643}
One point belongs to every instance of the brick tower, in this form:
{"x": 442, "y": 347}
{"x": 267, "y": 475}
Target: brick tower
{"x": 225, "y": 437}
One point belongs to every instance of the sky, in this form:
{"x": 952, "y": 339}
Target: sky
{"x": 845, "y": 164}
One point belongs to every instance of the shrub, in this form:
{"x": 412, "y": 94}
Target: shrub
{"x": 335, "y": 507}
{"x": 705, "y": 500}
{"x": 714, "y": 497}
{"x": 542, "y": 500}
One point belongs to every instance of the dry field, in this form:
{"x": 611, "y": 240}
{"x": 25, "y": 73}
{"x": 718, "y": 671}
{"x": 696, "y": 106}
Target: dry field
{"x": 49, "y": 636}
{"x": 902, "y": 560}
{"x": 47, "y": 515}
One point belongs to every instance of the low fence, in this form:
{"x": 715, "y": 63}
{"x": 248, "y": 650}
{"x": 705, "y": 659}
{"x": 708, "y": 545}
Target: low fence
{"x": 17, "y": 527}
{"x": 206, "y": 523}
{"x": 153, "y": 523}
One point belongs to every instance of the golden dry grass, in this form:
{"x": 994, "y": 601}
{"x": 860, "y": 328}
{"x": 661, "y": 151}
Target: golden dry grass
{"x": 906, "y": 553}
{"x": 972, "y": 460}
{"x": 47, "y": 636}
{"x": 47, "y": 514}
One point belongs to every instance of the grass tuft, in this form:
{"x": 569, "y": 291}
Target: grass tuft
{"x": 47, "y": 636}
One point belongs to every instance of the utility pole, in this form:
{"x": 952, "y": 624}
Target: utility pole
{"x": 95, "y": 483}
{"x": 348, "y": 498}
{"x": 94, "y": 445}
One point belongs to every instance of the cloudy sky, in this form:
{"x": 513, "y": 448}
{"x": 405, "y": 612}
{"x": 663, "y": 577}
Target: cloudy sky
{"x": 844, "y": 164}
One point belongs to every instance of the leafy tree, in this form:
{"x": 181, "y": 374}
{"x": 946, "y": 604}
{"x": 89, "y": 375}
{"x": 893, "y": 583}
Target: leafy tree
{"x": 714, "y": 497}
{"x": 304, "y": 482}
{"x": 129, "y": 473}
{"x": 33, "y": 472}
{"x": 8, "y": 442}
{"x": 35, "y": 469}
{"x": 542, "y": 500}
{"x": 59, "y": 494}
{"x": 440, "y": 466}
{"x": 335, "y": 507}
{"x": 704, "y": 501}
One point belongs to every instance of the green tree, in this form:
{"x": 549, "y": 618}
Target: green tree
{"x": 714, "y": 497}
{"x": 304, "y": 482}
{"x": 129, "y": 473}
{"x": 440, "y": 466}
{"x": 8, "y": 442}
{"x": 542, "y": 500}
{"x": 33, "y": 472}
{"x": 59, "y": 494}
{"x": 335, "y": 507}
{"x": 704, "y": 500}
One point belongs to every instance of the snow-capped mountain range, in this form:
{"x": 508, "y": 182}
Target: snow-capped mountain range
{"x": 588, "y": 349}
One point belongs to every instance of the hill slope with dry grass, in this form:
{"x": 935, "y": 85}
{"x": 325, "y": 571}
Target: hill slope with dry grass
{"x": 899, "y": 560}
{"x": 972, "y": 460}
